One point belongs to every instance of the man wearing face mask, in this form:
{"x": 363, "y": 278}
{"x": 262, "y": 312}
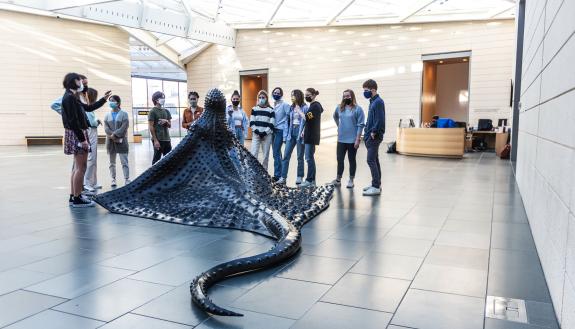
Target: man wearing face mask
{"x": 373, "y": 135}
{"x": 159, "y": 123}
{"x": 193, "y": 112}
{"x": 281, "y": 113}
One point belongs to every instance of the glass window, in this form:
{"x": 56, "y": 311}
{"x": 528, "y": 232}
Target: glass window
{"x": 139, "y": 92}
{"x": 153, "y": 86}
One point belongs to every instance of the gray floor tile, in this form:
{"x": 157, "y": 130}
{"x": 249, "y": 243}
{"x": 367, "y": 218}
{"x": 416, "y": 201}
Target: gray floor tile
{"x": 512, "y": 236}
{"x": 175, "y": 305}
{"x": 325, "y": 315}
{"x": 114, "y": 300}
{"x": 190, "y": 241}
{"x": 484, "y": 214}
{"x": 502, "y": 324}
{"x": 370, "y": 292}
{"x": 421, "y": 220}
{"x": 244, "y": 236}
{"x": 359, "y": 234}
{"x": 510, "y": 214}
{"x": 467, "y": 226}
{"x": 15, "y": 279}
{"x": 388, "y": 265}
{"x": 222, "y": 250}
{"x": 467, "y": 240}
{"x": 80, "y": 281}
{"x": 55, "y": 320}
{"x": 313, "y": 236}
{"x": 403, "y": 246}
{"x": 458, "y": 257}
{"x": 454, "y": 280}
{"x": 517, "y": 274}
{"x": 250, "y": 320}
{"x": 541, "y": 314}
{"x": 21, "y": 304}
{"x": 142, "y": 322}
{"x": 282, "y": 297}
{"x": 142, "y": 258}
{"x": 338, "y": 249}
{"x": 433, "y": 310}
{"x": 414, "y": 232}
{"x": 175, "y": 271}
{"x": 67, "y": 262}
{"x": 316, "y": 269}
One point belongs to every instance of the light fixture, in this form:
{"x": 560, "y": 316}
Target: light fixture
{"x": 465, "y": 59}
{"x": 440, "y": 62}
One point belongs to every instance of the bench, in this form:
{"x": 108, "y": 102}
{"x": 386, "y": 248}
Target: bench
{"x": 44, "y": 140}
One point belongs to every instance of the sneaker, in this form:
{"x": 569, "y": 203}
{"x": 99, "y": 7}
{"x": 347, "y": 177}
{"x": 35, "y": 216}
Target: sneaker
{"x": 114, "y": 183}
{"x": 350, "y": 183}
{"x": 89, "y": 193}
{"x": 80, "y": 202}
{"x": 307, "y": 183}
{"x": 336, "y": 182}
{"x": 89, "y": 188}
{"x": 281, "y": 181}
{"x": 367, "y": 188}
{"x": 128, "y": 181}
{"x": 71, "y": 200}
{"x": 97, "y": 187}
{"x": 275, "y": 179}
{"x": 298, "y": 180}
{"x": 372, "y": 191}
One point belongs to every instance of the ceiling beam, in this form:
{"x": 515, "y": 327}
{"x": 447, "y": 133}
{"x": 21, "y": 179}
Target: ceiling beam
{"x": 140, "y": 58}
{"x": 150, "y": 40}
{"x": 339, "y": 12}
{"x": 276, "y": 9}
{"x": 218, "y": 10}
{"x": 163, "y": 39}
{"x": 415, "y": 10}
{"x": 188, "y": 55}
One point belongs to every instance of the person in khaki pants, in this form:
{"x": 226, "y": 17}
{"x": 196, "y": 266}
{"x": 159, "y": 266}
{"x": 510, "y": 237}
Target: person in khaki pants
{"x": 116, "y": 125}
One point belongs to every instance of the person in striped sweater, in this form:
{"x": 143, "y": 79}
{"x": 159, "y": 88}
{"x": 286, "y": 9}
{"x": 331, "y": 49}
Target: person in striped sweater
{"x": 262, "y": 121}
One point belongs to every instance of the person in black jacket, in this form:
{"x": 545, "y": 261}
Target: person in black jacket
{"x": 76, "y": 140}
{"x": 311, "y": 134}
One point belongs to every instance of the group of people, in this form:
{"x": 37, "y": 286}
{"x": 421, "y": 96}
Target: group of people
{"x": 284, "y": 126}
{"x": 77, "y": 107}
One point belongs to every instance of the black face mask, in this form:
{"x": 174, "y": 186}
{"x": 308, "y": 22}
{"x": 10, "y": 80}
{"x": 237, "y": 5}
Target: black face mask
{"x": 347, "y": 101}
{"x": 235, "y": 103}
{"x": 308, "y": 99}
{"x": 85, "y": 88}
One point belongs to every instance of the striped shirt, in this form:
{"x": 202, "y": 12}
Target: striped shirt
{"x": 262, "y": 119}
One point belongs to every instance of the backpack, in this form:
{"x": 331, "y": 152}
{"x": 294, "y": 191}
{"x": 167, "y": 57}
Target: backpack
{"x": 57, "y": 105}
{"x": 391, "y": 148}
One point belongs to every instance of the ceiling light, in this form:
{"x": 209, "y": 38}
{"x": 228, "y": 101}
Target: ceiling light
{"x": 465, "y": 59}
{"x": 440, "y": 62}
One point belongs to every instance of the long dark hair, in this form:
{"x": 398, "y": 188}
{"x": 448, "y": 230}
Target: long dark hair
{"x": 70, "y": 81}
{"x": 353, "y": 101}
{"x": 298, "y": 94}
{"x": 116, "y": 98}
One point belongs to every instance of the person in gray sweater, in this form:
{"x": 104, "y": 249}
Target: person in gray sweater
{"x": 116, "y": 126}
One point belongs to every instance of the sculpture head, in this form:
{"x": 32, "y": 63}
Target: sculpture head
{"x": 215, "y": 101}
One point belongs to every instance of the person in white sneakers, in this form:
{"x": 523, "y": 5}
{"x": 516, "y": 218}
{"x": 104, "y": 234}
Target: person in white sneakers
{"x": 294, "y": 139}
{"x": 116, "y": 125}
{"x": 350, "y": 120}
{"x": 90, "y": 96}
{"x": 262, "y": 121}
{"x": 374, "y": 130}
{"x": 311, "y": 134}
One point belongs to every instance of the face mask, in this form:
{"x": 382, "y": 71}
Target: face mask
{"x": 262, "y": 101}
{"x": 367, "y": 93}
{"x": 161, "y": 101}
{"x": 81, "y": 88}
{"x": 277, "y": 97}
{"x": 235, "y": 103}
{"x": 85, "y": 86}
{"x": 308, "y": 99}
{"x": 113, "y": 105}
{"x": 347, "y": 101}
{"x": 193, "y": 103}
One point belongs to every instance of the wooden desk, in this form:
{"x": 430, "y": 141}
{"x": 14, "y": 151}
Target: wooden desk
{"x": 495, "y": 140}
{"x": 433, "y": 142}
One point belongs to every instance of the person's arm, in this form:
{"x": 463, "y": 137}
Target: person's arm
{"x": 152, "y": 128}
{"x": 336, "y": 116}
{"x": 360, "y": 122}
{"x": 107, "y": 128}
{"x": 71, "y": 108}
{"x": 169, "y": 122}
{"x": 185, "y": 123}
{"x": 95, "y": 106}
{"x": 121, "y": 132}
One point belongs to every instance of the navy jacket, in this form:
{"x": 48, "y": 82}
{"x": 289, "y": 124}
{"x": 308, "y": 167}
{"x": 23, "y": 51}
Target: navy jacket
{"x": 375, "y": 117}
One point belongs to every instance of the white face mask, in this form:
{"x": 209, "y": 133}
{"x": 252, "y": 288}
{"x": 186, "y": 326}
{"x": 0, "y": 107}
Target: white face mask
{"x": 161, "y": 101}
{"x": 81, "y": 88}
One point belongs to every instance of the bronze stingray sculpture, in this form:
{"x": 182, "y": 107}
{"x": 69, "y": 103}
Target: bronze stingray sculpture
{"x": 229, "y": 189}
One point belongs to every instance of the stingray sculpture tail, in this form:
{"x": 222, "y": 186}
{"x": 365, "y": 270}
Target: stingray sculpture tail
{"x": 288, "y": 244}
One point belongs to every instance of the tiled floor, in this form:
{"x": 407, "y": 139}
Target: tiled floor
{"x": 444, "y": 235}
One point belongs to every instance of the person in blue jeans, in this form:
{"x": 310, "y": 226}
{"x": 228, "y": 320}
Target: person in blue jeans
{"x": 281, "y": 112}
{"x": 294, "y": 139}
{"x": 373, "y": 135}
{"x": 237, "y": 119}
{"x": 311, "y": 134}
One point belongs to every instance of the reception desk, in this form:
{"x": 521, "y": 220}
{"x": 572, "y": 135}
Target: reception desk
{"x": 433, "y": 142}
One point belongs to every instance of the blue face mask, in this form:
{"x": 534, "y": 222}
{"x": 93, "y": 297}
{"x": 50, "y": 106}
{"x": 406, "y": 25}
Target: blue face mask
{"x": 367, "y": 93}
{"x": 277, "y": 97}
{"x": 113, "y": 105}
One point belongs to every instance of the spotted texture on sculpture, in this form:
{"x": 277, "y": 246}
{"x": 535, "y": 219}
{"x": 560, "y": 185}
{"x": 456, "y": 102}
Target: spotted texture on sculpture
{"x": 211, "y": 180}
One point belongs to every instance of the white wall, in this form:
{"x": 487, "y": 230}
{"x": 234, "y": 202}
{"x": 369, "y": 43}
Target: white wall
{"x": 452, "y": 79}
{"x": 334, "y": 59}
{"x": 37, "y": 52}
{"x": 546, "y": 146}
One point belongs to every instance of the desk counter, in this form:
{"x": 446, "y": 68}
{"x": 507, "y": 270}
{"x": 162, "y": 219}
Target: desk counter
{"x": 434, "y": 142}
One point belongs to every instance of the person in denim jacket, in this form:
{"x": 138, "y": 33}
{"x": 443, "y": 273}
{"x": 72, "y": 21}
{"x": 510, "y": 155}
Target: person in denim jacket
{"x": 237, "y": 119}
{"x": 294, "y": 138}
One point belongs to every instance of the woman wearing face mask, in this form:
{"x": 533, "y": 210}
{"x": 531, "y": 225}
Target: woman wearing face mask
{"x": 281, "y": 112}
{"x": 311, "y": 134}
{"x": 193, "y": 112}
{"x": 262, "y": 123}
{"x": 350, "y": 120}
{"x": 294, "y": 140}
{"x": 237, "y": 118}
{"x": 76, "y": 140}
{"x": 116, "y": 125}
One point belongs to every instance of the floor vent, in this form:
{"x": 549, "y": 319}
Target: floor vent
{"x": 506, "y": 309}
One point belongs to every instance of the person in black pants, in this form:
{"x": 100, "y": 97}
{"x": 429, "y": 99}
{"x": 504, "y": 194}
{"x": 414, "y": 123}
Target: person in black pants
{"x": 373, "y": 135}
{"x": 311, "y": 134}
{"x": 159, "y": 123}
